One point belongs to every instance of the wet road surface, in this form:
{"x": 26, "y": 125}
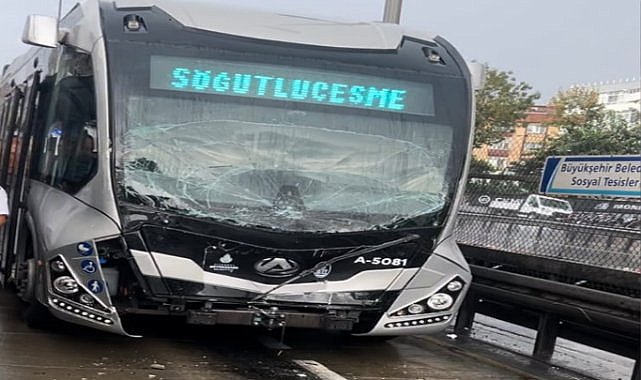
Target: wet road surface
{"x": 173, "y": 350}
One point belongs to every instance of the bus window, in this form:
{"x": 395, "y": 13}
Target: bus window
{"x": 82, "y": 159}
{"x": 68, "y": 153}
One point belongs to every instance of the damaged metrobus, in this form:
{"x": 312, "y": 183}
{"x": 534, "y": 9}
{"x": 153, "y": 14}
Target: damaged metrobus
{"x": 233, "y": 167}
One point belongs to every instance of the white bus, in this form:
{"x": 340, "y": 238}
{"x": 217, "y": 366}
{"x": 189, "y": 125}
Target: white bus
{"x": 231, "y": 167}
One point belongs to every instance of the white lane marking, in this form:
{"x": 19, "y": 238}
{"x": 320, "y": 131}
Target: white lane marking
{"x": 319, "y": 370}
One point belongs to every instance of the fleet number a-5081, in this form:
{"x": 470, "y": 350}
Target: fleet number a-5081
{"x": 381, "y": 261}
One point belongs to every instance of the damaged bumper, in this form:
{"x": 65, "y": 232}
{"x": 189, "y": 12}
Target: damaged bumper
{"x": 393, "y": 291}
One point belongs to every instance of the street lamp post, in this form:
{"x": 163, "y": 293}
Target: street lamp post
{"x": 392, "y": 12}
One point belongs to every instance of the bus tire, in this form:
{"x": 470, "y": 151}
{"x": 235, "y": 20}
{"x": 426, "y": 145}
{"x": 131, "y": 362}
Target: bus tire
{"x": 26, "y": 280}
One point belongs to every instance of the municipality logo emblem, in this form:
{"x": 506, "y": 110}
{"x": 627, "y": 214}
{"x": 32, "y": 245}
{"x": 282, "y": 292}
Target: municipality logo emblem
{"x": 323, "y": 272}
{"x": 224, "y": 264}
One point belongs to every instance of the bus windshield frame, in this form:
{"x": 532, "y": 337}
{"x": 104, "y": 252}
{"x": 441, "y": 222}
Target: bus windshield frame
{"x": 282, "y": 164}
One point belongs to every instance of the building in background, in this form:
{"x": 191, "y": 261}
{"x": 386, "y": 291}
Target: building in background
{"x": 622, "y": 97}
{"x": 529, "y": 135}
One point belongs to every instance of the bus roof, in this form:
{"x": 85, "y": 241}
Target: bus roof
{"x": 279, "y": 27}
{"x": 82, "y": 25}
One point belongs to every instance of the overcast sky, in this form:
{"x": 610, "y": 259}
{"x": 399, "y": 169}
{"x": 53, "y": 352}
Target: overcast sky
{"x": 551, "y": 44}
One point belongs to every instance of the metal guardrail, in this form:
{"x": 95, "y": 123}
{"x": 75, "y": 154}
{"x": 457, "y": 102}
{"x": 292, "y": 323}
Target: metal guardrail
{"x": 555, "y": 223}
{"x": 607, "y": 321}
{"x": 579, "y": 282}
{"x": 604, "y": 247}
{"x": 595, "y": 318}
{"x": 578, "y": 278}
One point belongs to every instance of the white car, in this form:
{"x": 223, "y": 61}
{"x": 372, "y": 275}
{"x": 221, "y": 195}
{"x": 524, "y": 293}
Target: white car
{"x": 533, "y": 206}
{"x": 546, "y": 206}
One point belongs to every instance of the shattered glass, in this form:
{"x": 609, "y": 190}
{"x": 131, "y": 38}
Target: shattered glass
{"x": 294, "y": 170}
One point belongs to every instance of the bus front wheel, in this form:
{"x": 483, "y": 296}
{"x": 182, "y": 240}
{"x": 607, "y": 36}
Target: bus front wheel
{"x": 26, "y": 280}
{"x": 35, "y": 314}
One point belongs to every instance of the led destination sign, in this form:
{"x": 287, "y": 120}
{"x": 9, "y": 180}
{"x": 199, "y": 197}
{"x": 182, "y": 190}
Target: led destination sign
{"x": 290, "y": 84}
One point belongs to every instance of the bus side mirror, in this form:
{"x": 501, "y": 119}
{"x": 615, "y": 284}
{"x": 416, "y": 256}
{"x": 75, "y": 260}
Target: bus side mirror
{"x": 477, "y": 72}
{"x": 41, "y": 31}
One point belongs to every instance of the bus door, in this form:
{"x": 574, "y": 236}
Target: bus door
{"x": 14, "y": 167}
{"x": 12, "y": 106}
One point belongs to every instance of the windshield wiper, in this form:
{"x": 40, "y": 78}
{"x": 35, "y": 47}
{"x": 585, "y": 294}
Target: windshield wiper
{"x": 413, "y": 221}
{"x": 154, "y": 201}
{"x": 323, "y": 264}
{"x": 135, "y": 196}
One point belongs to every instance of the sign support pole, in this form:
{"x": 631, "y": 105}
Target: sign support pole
{"x": 392, "y": 12}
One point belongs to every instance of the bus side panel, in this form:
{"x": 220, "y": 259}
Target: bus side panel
{"x": 19, "y": 120}
{"x": 62, "y": 219}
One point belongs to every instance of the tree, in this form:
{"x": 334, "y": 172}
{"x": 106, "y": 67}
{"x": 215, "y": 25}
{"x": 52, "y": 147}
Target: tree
{"x": 587, "y": 128}
{"x": 499, "y": 105}
{"x": 481, "y": 167}
{"x": 492, "y": 187}
{"x": 577, "y": 107}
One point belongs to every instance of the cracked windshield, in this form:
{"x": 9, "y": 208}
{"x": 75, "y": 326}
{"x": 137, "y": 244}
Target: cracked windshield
{"x": 284, "y": 165}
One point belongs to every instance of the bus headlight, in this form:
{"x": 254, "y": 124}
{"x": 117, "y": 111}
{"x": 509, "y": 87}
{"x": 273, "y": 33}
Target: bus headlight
{"x": 86, "y": 299}
{"x": 58, "y": 266}
{"x": 440, "y": 301}
{"x": 416, "y": 308}
{"x": 66, "y": 285}
{"x": 454, "y": 286}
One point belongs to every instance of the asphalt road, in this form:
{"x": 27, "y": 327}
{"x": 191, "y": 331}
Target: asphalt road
{"x": 172, "y": 350}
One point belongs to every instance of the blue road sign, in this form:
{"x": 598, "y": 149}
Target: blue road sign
{"x": 613, "y": 176}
